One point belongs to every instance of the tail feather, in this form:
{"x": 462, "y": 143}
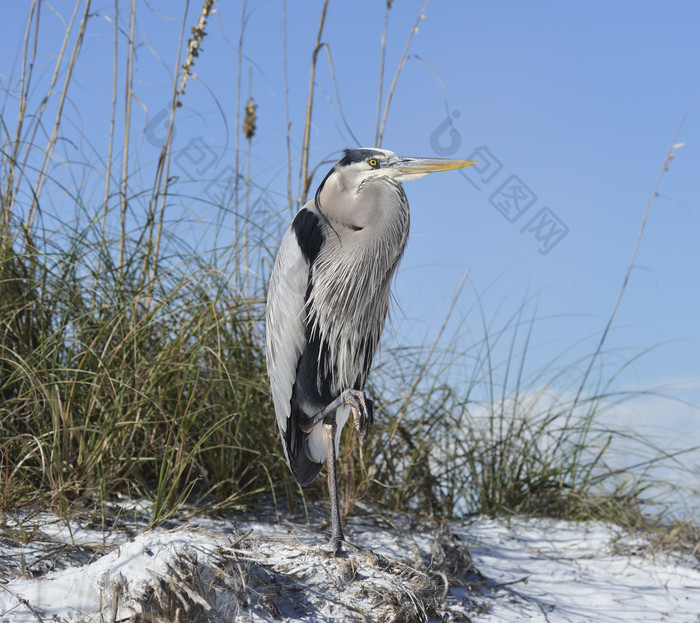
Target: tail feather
{"x": 303, "y": 468}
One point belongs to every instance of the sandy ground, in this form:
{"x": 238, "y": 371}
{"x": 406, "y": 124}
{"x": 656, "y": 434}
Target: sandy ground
{"x": 265, "y": 568}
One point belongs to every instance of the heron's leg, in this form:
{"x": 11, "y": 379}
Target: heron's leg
{"x": 329, "y": 431}
{"x": 362, "y": 411}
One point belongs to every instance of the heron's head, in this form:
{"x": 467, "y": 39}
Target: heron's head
{"x": 360, "y": 164}
{"x": 338, "y": 197}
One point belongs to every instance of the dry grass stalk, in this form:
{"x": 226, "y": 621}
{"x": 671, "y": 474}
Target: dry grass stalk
{"x": 248, "y": 131}
{"x": 110, "y": 147}
{"x": 163, "y": 177}
{"x": 6, "y": 206}
{"x": 129, "y": 81}
{"x": 193, "y": 45}
{"x": 287, "y": 122}
{"x": 655, "y": 192}
{"x": 399, "y": 68}
{"x": 380, "y": 90}
{"x": 304, "y": 177}
{"x": 48, "y": 151}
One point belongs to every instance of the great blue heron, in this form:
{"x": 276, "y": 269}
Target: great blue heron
{"x": 327, "y": 302}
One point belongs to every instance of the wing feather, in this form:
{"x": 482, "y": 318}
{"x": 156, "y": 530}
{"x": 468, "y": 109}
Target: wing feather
{"x": 285, "y": 335}
{"x": 293, "y": 361}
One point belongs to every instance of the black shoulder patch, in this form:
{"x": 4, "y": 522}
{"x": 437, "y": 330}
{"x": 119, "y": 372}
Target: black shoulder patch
{"x": 307, "y": 229}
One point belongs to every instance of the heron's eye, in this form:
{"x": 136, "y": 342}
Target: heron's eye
{"x": 372, "y": 162}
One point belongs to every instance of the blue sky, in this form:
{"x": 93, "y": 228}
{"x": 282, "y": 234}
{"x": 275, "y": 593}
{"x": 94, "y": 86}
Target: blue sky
{"x": 575, "y": 104}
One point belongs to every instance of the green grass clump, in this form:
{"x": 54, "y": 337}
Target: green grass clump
{"x": 505, "y": 437}
{"x": 108, "y": 384}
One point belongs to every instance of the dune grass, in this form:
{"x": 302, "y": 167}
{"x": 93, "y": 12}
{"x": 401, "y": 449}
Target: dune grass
{"x": 119, "y": 386}
{"x": 131, "y": 363}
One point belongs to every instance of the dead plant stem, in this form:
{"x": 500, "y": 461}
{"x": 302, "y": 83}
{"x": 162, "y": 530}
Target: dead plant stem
{"x": 628, "y": 271}
{"x": 129, "y": 77}
{"x": 237, "y": 145}
{"x": 288, "y": 124}
{"x": 382, "y": 60}
{"x": 48, "y": 152}
{"x": 399, "y": 68}
{"x": 246, "y": 221}
{"x": 110, "y": 146}
{"x": 160, "y": 187}
{"x": 6, "y": 207}
{"x": 304, "y": 178}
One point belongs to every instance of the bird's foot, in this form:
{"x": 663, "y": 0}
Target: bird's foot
{"x": 362, "y": 411}
{"x": 336, "y": 545}
{"x": 340, "y": 546}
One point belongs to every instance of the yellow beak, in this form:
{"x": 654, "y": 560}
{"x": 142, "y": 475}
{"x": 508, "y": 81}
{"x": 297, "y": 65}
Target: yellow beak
{"x": 413, "y": 168}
